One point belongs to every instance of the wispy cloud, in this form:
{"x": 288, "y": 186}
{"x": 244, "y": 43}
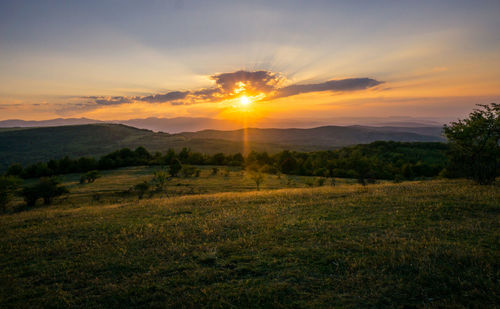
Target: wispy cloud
{"x": 349, "y": 84}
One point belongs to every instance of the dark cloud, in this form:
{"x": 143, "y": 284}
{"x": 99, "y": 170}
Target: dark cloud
{"x": 349, "y": 84}
{"x": 167, "y": 97}
{"x": 258, "y": 81}
{"x": 206, "y": 94}
{"x": 109, "y": 100}
{"x": 252, "y": 83}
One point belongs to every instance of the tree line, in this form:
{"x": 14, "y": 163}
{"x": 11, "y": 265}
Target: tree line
{"x": 380, "y": 160}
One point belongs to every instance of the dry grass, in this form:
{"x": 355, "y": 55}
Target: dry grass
{"x": 433, "y": 243}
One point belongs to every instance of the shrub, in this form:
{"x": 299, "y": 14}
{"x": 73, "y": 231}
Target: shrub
{"x": 8, "y": 185}
{"x": 47, "y": 188}
{"x": 90, "y": 176}
{"x": 188, "y": 171}
{"x": 141, "y": 189}
{"x": 175, "y": 168}
{"x": 160, "y": 180}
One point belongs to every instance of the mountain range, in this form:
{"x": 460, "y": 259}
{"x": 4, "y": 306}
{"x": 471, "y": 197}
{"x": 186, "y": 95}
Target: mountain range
{"x": 28, "y": 145}
{"x": 193, "y": 124}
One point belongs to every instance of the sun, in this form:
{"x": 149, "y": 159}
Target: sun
{"x": 244, "y": 100}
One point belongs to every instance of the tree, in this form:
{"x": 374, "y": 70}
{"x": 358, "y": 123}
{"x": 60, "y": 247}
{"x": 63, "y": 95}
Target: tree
{"x": 91, "y": 176}
{"x": 141, "y": 189}
{"x": 47, "y": 188}
{"x": 287, "y": 163}
{"x": 218, "y": 159}
{"x": 475, "y": 144}
{"x": 361, "y": 165}
{"x": 8, "y": 185}
{"x": 175, "y": 167}
{"x": 160, "y": 180}
{"x": 258, "y": 178}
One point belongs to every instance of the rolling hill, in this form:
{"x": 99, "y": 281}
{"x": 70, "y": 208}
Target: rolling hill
{"x": 28, "y": 145}
{"x": 193, "y": 124}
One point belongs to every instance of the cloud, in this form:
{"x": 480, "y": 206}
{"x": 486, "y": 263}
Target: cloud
{"x": 349, "y": 84}
{"x": 167, "y": 97}
{"x": 100, "y": 100}
{"x": 264, "y": 84}
{"x": 258, "y": 81}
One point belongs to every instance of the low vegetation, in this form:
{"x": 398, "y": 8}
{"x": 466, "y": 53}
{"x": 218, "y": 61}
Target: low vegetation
{"x": 418, "y": 244}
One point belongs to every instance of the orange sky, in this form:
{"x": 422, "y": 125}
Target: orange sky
{"x": 424, "y": 59}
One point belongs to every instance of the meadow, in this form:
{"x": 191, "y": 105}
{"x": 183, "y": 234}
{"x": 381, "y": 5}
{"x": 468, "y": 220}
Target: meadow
{"x": 214, "y": 241}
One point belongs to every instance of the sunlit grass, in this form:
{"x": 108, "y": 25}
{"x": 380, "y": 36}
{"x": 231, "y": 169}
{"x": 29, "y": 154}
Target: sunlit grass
{"x": 433, "y": 243}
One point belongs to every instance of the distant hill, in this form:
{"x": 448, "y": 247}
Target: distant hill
{"x": 28, "y": 145}
{"x": 12, "y": 123}
{"x": 326, "y": 137}
{"x": 193, "y": 124}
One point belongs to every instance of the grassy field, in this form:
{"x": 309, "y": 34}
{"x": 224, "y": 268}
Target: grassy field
{"x": 113, "y": 185}
{"x": 413, "y": 244}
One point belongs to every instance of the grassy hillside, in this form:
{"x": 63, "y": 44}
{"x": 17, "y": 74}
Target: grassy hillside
{"x": 30, "y": 145}
{"x": 418, "y": 244}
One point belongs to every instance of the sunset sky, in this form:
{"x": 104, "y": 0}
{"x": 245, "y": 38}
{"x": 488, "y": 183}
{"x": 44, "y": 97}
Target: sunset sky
{"x": 113, "y": 60}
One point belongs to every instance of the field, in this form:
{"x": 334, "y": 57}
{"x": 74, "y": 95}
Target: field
{"x": 412, "y": 244}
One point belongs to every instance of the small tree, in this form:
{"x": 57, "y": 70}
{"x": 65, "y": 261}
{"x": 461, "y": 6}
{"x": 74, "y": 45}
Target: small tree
{"x": 49, "y": 188}
{"x": 475, "y": 144}
{"x": 215, "y": 170}
{"x": 361, "y": 165}
{"x": 258, "y": 178}
{"x": 160, "y": 180}
{"x": 141, "y": 189}
{"x": 175, "y": 168}
{"x": 90, "y": 176}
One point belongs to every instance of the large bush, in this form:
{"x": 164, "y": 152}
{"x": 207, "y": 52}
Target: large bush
{"x": 47, "y": 189}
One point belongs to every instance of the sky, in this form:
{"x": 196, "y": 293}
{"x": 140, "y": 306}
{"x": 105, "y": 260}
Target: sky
{"x": 115, "y": 60}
